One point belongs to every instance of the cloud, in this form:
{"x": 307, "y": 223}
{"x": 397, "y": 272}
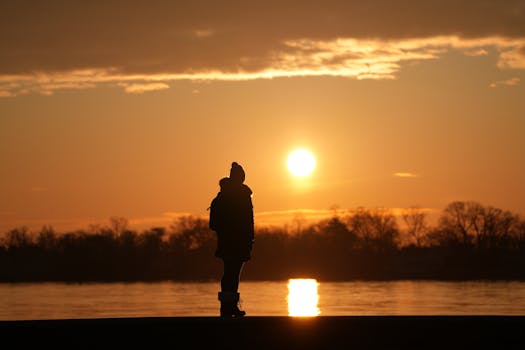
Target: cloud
{"x": 87, "y": 43}
{"x": 139, "y": 88}
{"x": 476, "y": 52}
{"x": 309, "y": 216}
{"x": 36, "y": 224}
{"x": 148, "y": 222}
{"x": 11, "y": 220}
{"x": 6, "y": 93}
{"x": 280, "y": 217}
{"x": 405, "y": 175}
{"x": 513, "y": 58}
{"x": 507, "y": 82}
{"x": 203, "y": 33}
{"x": 175, "y": 214}
{"x": 45, "y": 84}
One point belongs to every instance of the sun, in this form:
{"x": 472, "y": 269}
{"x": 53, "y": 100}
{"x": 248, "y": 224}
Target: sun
{"x": 301, "y": 162}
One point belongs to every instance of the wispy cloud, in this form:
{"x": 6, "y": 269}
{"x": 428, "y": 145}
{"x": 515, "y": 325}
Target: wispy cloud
{"x": 6, "y": 93}
{"x": 36, "y": 224}
{"x": 11, "y": 220}
{"x": 175, "y": 214}
{"x": 151, "y": 221}
{"x": 405, "y": 175}
{"x": 203, "y": 33}
{"x": 513, "y": 58}
{"x": 140, "y": 88}
{"x": 277, "y": 218}
{"x": 507, "y": 82}
{"x": 281, "y": 217}
{"x": 476, "y": 52}
{"x": 350, "y": 58}
{"x": 308, "y": 216}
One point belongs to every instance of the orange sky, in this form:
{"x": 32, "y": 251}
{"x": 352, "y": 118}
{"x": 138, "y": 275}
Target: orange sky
{"x": 137, "y": 109}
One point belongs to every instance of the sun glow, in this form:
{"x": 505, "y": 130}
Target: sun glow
{"x": 303, "y": 297}
{"x": 301, "y": 162}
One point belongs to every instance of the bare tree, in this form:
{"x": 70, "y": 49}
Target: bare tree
{"x": 377, "y": 228}
{"x": 18, "y": 237}
{"x": 496, "y": 226}
{"x": 415, "y": 219}
{"x": 47, "y": 238}
{"x": 462, "y": 220}
{"x": 473, "y": 224}
{"x": 299, "y": 222}
{"x": 118, "y": 225}
{"x": 359, "y": 222}
{"x": 190, "y": 232}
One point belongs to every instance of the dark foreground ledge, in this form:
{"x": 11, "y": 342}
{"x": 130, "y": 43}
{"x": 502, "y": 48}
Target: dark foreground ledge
{"x": 268, "y": 332}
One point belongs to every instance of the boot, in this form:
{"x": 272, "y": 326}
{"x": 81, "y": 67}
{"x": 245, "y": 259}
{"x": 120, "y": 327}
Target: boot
{"x": 229, "y": 304}
{"x": 236, "y": 311}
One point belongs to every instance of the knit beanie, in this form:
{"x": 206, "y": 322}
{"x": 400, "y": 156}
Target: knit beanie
{"x": 237, "y": 172}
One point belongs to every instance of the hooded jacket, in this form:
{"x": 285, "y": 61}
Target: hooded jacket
{"x": 235, "y": 235}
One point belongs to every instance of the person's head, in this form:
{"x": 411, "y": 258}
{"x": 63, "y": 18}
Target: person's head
{"x": 224, "y": 182}
{"x": 237, "y": 173}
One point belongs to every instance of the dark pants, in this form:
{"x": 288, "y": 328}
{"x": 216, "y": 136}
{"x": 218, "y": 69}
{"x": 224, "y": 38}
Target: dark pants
{"x": 231, "y": 275}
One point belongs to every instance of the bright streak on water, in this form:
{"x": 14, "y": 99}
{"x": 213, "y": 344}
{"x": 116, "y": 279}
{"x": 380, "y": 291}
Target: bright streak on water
{"x": 303, "y": 297}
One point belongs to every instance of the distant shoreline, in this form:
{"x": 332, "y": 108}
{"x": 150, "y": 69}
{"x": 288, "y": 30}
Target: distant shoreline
{"x": 217, "y": 280}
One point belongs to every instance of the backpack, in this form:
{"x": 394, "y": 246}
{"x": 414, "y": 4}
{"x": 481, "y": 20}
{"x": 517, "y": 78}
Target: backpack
{"x": 216, "y": 212}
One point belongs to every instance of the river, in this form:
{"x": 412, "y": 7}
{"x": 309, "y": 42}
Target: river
{"x": 295, "y": 297}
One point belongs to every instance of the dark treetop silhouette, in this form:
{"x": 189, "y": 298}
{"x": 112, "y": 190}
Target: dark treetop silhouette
{"x": 471, "y": 241}
{"x": 231, "y": 217}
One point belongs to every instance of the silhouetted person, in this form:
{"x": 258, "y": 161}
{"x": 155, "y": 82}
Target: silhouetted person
{"x": 232, "y": 219}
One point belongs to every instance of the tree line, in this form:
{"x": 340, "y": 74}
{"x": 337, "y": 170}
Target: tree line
{"x": 469, "y": 241}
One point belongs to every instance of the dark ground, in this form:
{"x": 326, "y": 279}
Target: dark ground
{"x": 268, "y": 332}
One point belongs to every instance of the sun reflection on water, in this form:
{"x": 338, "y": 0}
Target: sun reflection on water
{"x": 303, "y": 297}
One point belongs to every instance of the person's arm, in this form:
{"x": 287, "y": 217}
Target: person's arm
{"x": 252, "y": 223}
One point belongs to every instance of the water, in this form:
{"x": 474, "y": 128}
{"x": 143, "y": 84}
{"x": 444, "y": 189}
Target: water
{"x": 26, "y": 301}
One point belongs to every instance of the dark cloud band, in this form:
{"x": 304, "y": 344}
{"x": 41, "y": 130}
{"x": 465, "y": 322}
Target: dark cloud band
{"x": 227, "y": 39}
